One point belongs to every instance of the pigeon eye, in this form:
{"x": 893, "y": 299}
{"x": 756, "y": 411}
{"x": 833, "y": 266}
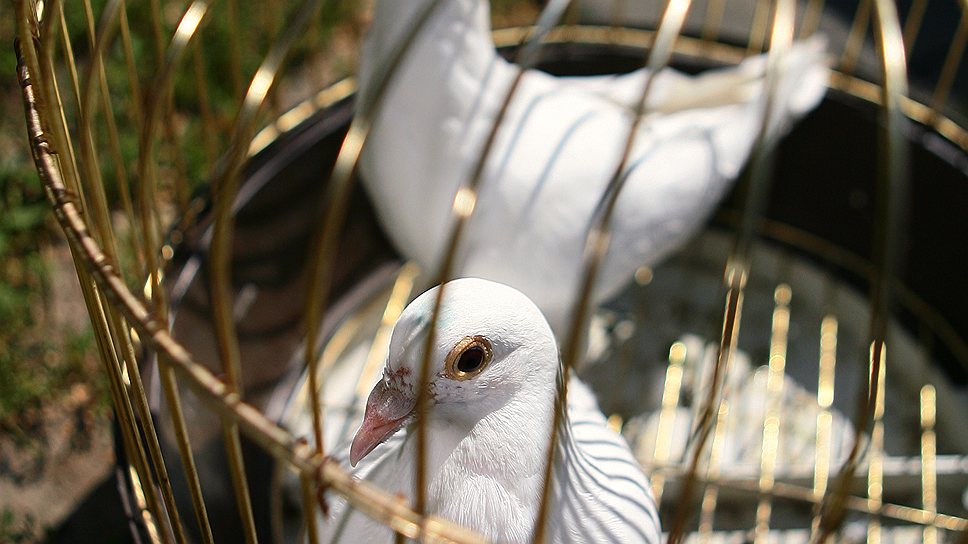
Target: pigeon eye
{"x": 468, "y": 358}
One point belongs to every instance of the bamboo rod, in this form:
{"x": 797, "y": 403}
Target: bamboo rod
{"x": 118, "y": 331}
{"x": 61, "y": 132}
{"x": 101, "y": 217}
{"x": 825, "y": 399}
{"x": 137, "y": 119}
{"x": 157, "y": 31}
{"x": 710, "y": 495}
{"x": 125, "y": 413}
{"x": 667, "y": 416}
{"x": 856, "y": 37}
{"x": 811, "y": 18}
{"x": 952, "y": 63}
{"x": 396, "y": 302}
{"x": 220, "y": 277}
{"x": 597, "y": 239}
{"x": 209, "y": 122}
{"x": 120, "y": 171}
{"x": 147, "y": 177}
{"x": 758, "y": 28}
{"x": 45, "y": 27}
{"x": 912, "y": 24}
{"x": 892, "y": 182}
{"x": 235, "y": 48}
{"x": 802, "y": 493}
{"x": 737, "y": 266}
{"x": 243, "y": 499}
{"x": 712, "y": 20}
{"x": 92, "y": 183}
{"x": 929, "y": 475}
{"x": 464, "y": 204}
{"x": 173, "y": 399}
{"x": 309, "y": 504}
{"x": 875, "y": 452}
{"x": 771, "y": 439}
{"x": 134, "y": 83}
{"x": 342, "y": 180}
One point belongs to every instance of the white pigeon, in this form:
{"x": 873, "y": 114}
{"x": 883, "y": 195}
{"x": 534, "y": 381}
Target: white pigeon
{"x": 555, "y": 152}
{"x": 493, "y": 372}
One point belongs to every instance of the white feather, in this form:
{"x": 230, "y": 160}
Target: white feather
{"x": 555, "y": 152}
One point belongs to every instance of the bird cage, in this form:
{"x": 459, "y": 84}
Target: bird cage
{"x": 795, "y": 373}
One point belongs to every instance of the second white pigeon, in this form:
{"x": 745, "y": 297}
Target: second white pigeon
{"x": 555, "y": 152}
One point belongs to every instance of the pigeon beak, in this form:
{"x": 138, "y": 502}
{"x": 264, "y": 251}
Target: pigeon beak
{"x": 387, "y": 411}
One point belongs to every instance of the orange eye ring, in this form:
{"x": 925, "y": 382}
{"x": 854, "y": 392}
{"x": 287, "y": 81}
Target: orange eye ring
{"x": 468, "y": 358}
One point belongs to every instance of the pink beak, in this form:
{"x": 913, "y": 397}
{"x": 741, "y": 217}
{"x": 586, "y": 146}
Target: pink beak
{"x": 387, "y": 411}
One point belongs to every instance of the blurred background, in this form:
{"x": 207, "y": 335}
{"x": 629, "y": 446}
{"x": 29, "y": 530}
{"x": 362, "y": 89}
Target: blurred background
{"x": 56, "y": 448}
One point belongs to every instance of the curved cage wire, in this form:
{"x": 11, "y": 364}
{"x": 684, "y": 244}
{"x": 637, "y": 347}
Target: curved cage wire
{"x": 233, "y": 270}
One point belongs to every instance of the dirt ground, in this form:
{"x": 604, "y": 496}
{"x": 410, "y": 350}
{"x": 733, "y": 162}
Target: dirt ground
{"x": 69, "y": 452}
{"x": 63, "y": 448}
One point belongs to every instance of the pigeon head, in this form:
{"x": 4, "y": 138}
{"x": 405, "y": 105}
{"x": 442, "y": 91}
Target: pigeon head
{"x": 492, "y": 345}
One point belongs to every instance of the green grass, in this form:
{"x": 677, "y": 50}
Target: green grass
{"x": 14, "y": 530}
